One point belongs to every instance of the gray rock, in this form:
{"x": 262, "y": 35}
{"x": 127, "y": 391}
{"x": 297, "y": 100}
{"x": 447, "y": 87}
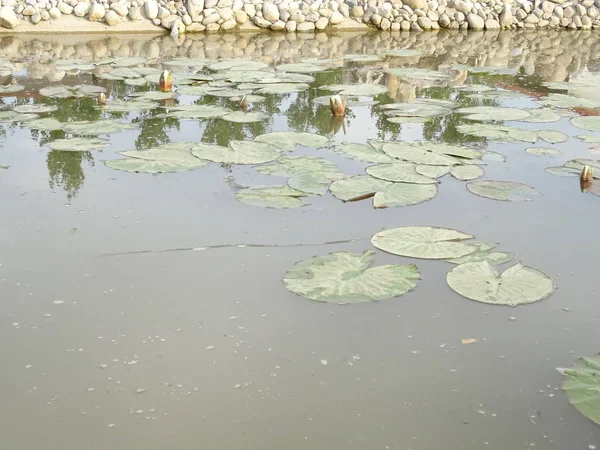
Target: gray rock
{"x": 135, "y": 13}
{"x": 226, "y": 14}
{"x": 260, "y": 22}
{"x": 424, "y": 23}
{"x": 592, "y": 12}
{"x": 36, "y": 18}
{"x": 55, "y": 12}
{"x": 290, "y": 26}
{"x": 210, "y": 3}
{"x": 151, "y": 8}
{"x": 586, "y": 23}
{"x": 82, "y": 9}
{"x": 237, "y": 5}
{"x": 322, "y": 23}
{"x": 492, "y": 24}
{"x": 338, "y": 17}
{"x": 120, "y": 8}
{"x": 270, "y": 12}
{"x": 385, "y": 24}
{"x": 444, "y": 21}
{"x": 568, "y": 12}
{"x": 312, "y": 17}
{"x": 8, "y": 18}
{"x": 29, "y": 11}
{"x": 112, "y": 18}
{"x": 464, "y": 7}
{"x": 580, "y": 10}
{"x": 547, "y": 7}
{"x": 163, "y": 12}
{"x": 558, "y": 12}
{"x": 459, "y": 17}
{"x": 278, "y": 26}
{"x": 506, "y": 18}
{"x": 345, "y": 10}
{"x": 213, "y": 27}
{"x": 520, "y": 14}
{"x": 475, "y": 22}
{"x": 416, "y": 4}
{"x": 376, "y": 19}
{"x": 305, "y": 26}
{"x": 357, "y": 11}
{"x": 532, "y": 19}
{"x": 415, "y": 27}
{"x": 64, "y": 8}
{"x": 325, "y": 12}
{"x": 298, "y": 17}
{"x": 577, "y": 22}
{"x": 168, "y": 21}
{"x": 228, "y": 24}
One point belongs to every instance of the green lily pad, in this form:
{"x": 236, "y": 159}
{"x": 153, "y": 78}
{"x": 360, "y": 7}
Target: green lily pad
{"x": 310, "y": 182}
{"x": 350, "y": 101}
{"x": 399, "y": 173}
{"x": 34, "y": 109}
{"x": 238, "y": 152}
{"x": 589, "y": 139}
{"x": 424, "y": 242}
{"x": 11, "y": 116}
{"x": 81, "y": 90}
{"x": 363, "y": 152}
{"x": 493, "y": 156}
{"x": 11, "y": 88}
{"x": 418, "y": 155}
{"x": 281, "y": 88}
{"x": 277, "y": 197}
{"x": 367, "y": 90}
{"x": 249, "y": 98}
{"x": 78, "y": 144}
{"x": 497, "y": 132}
{"x": 347, "y": 278}
{"x": 541, "y": 115}
{"x": 245, "y": 117}
{"x": 433, "y": 171}
{"x": 441, "y": 148}
{"x": 568, "y": 101}
{"x": 287, "y": 140}
{"x": 406, "y": 119}
{"x": 291, "y": 166}
{"x": 416, "y": 109}
{"x": 98, "y": 127}
{"x": 582, "y": 385}
{"x": 507, "y": 191}
{"x": 562, "y": 171}
{"x": 168, "y": 154}
{"x": 403, "y": 52}
{"x": 520, "y": 134}
{"x": 361, "y": 58}
{"x": 128, "y": 106}
{"x": 142, "y": 165}
{"x": 485, "y": 113}
{"x": 302, "y": 67}
{"x": 542, "y": 151}
{"x": 589, "y": 123}
{"x": 46, "y": 124}
{"x": 358, "y": 187}
{"x": 136, "y": 81}
{"x": 238, "y": 64}
{"x": 552, "y": 137}
{"x": 194, "y": 90}
{"x": 153, "y": 96}
{"x": 517, "y": 285}
{"x": 466, "y": 173}
{"x": 484, "y": 253}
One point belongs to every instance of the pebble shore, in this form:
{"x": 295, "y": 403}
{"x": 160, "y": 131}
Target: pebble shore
{"x": 189, "y": 16}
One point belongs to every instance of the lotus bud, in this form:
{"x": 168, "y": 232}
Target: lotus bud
{"x": 166, "y": 81}
{"x": 337, "y": 105}
{"x": 102, "y": 99}
{"x": 586, "y": 174}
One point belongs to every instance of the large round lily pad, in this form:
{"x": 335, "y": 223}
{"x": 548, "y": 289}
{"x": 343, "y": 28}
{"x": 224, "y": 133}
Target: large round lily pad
{"x": 78, "y": 144}
{"x": 418, "y": 155}
{"x": 590, "y": 123}
{"x": 507, "y": 191}
{"x": 517, "y": 285}
{"x": 290, "y": 166}
{"x": 424, "y": 242}
{"x": 485, "y": 113}
{"x": 347, "y": 278}
{"x": 238, "y": 152}
{"x": 35, "y": 109}
{"x": 139, "y": 165}
{"x": 399, "y": 173}
{"x": 582, "y": 386}
{"x": 245, "y": 117}
{"x": 467, "y": 172}
{"x": 363, "y": 152}
{"x": 484, "y": 253}
{"x": 287, "y": 140}
{"x": 277, "y": 197}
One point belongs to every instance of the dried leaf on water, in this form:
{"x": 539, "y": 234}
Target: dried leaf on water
{"x": 348, "y": 278}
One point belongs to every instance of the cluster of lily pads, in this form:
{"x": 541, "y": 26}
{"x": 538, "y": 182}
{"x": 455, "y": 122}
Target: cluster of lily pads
{"x": 344, "y": 277}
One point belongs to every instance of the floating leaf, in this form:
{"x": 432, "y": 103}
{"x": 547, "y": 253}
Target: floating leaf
{"x": 567, "y": 101}
{"x": 366, "y": 89}
{"x": 541, "y": 115}
{"x": 238, "y": 64}
{"x": 198, "y": 111}
{"x": 466, "y": 173}
{"x": 418, "y": 155}
{"x": 517, "y": 285}
{"x": 404, "y": 194}
{"x": 363, "y": 152}
{"x": 249, "y": 98}
{"x": 542, "y": 151}
{"x": 302, "y": 68}
{"x": 169, "y": 153}
{"x": 194, "y": 90}
{"x": 406, "y": 52}
{"x": 562, "y": 171}
{"x": 11, "y": 116}
{"x": 278, "y": 197}
{"x": 484, "y": 113}
{"x": 81, "y": 90}
{"x": 346, "y": 278}
{"x": 78, "y": 144}
{"x": 416, "y": 109}
{"x": 552, "y": 137}
{"x": 358, "y": 187}
{"x": 290, "y": 166}
{"x": 406, "y": 119}
{"x": 425, "y": 77}
{"x": 484, "y": 253}
{"x": 589, "y": 123}
{"x": 238, "y": 152}
{"x": 153, "y": 95}
{"x": 350, "y": 101}
{"x": 11, "y": 88}
{"x": 46, "y": 124}
{"x": 245, "y": 117}
{"x": 493, "y": 156}
{"x": 399, "y": 173}
{"x": 582, "y": 386}
{"x": 129, "y": 106}
{"x": 424, "y": 242}
{"x": 310, "y": 182}
{"x": 281, "y": 88}
{"x": 523, "y": 135}
{"x": 433, "y": 171}
{"x": 140, "y": 165}
{"x": 35, "y": 109}
{"x": 507, "y": 191}
{"x": 289, "y": 139}
{"x": 98, "y": 127}
{"x": 360, "y": 58}
{"x": 590, "y": 139}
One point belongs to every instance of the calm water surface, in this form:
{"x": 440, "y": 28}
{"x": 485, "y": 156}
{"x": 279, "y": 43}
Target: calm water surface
{"x": 95, "y": 307}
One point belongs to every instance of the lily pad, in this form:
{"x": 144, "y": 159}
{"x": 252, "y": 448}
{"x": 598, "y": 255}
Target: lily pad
{"x": 11, "y": 88}
{"x": 78, "y": 144}
{"x": 175, "y": 155}
{"x": 541, "y": 115}
{"x": 245, "y": 117}
{"x": 46, "y": 124}
{"x": 288, "y": 140}
{"x": 485, "y": 113}
{"x": 281, "y": 88}
{"x": 433, "y": 171}
{"x": 404, "y": 194}
{"x": 590, "y": 139}
{"x": 468, "y": 172}
{"x": 507, "y": 191}
{"x": 153, "y": 95}
{"x": 424, "y": 242}
{"x": 11, "y": 116}
{"x": 366, "y": 89}
{"x": 589, "y": 123}
{"x": 277, "y": 197}
{"x": 302, "y": 68}
{"x": 484, "y": 253}
{"x": 350, "y": 101}
{"x": 425, "y": 77}
{"x": 403, "y": 52}
{"x": 238, "y": 64}
{"x": 582, "y": 385}
{"x": 517, "y": 285}
{"x": 310, "y": 182}
{"x": 198, "y": 111}
{"x": 542, "y": 151}
{"x": 399, "y": 173}
{"x": 568, "y": 101}
{"x": 238, "y": 152}
{"x": 292, "y": 166}
{"x": 416, "y": 109}
{"x": 98, "y": 127}
{"x": 552, "y": 137}
{"x": 441, "y": 148}
{"x": 562, "y": 171}
{"x": 128, "y": 106}
{"x": 362, "y": 58}
{"x": 358, "y": 187}
{"x": 363, "y": 152}
{"x": 34, "y": 109}
{"x": 346, "y": 278}
{"x": 418, "y": 155}
{"x": 142, "y": 165}
{"x": 81, "y": 90}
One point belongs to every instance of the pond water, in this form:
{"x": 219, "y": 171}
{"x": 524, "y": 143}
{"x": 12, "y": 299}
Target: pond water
{"x": 148, "y": 310}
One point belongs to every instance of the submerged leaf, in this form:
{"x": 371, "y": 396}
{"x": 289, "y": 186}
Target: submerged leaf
{"x": 424, "y": 242}
{"x": 507, "y": 191}
{"x": 346, "y": 278}
{"x": 517, "y": 285}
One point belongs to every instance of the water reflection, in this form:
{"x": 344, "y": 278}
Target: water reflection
{"x": 535, "y": 58}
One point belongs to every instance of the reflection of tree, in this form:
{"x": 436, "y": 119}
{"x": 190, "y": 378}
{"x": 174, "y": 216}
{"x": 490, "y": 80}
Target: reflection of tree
{"x": 64, "y": 169}
{"x": 153, "y": 129}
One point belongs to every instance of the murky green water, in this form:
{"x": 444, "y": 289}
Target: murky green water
{"x": 110, "y": 285}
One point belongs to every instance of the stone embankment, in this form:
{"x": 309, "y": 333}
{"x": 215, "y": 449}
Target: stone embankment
{"x": 179, "y": 17}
